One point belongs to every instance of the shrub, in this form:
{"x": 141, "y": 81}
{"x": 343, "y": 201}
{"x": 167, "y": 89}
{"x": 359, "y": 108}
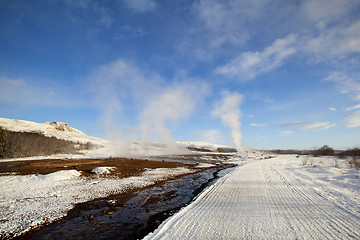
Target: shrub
{"x": 25, "y": 144}
{"x": 354, "y": 163}
{"x": 323, "y": 151}
{"x": 353, "y": 152}
{"x": 2, "y": 142}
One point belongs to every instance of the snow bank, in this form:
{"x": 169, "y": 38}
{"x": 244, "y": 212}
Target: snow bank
{"x": 103, "y": 170}
{"x": 205, "y": 165}
{"x": 59, "y": 176}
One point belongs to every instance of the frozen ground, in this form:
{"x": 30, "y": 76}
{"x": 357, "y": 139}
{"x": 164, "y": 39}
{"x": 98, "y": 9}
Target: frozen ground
{"x": 27, "y": 201}
{"x": 279, "y": 198}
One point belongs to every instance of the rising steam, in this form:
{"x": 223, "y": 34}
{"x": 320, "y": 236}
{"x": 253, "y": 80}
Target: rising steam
{"x": 173, "y": 103}
{"x": 126, "y": 93}
{"x": 228, "y": 110}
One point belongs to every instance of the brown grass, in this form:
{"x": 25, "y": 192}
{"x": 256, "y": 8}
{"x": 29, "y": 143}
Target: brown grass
{"x": 124, "y": 167}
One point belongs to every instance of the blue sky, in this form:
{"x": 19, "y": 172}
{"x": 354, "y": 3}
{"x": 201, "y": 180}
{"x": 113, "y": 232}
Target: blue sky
{"x": 267, "y": 74}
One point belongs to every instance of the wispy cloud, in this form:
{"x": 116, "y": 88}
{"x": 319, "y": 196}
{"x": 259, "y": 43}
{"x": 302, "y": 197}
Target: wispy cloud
{"x": 141, "y": 6}
{"x": 324, "y": 12}
{"x": 259, "y": 137}
{"x": 258, "y": 124}
{"x": 345, "y": 38}
{"x": 128, "y": 31}
{"x": 287, "y": 133}
{"x": 353, "y": 120}
{"x": 348, "y": 85}
{"x": 353, "y": 107}
{"x": 314, "y": 126}
{"x": 105, "y": 17}
{"x": 208, "y": 135}
{"x": 221, "y": 20}
{"x": 333, "y": 109}
{"x": 250, "y": 64}
{"x": 335, "y": 24}
{"x": 262, "y": 97}
{"x": 102, "y": 15}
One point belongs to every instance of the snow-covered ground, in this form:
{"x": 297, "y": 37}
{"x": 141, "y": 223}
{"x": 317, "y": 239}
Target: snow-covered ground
{"x": 27, "y": 201}
{"x": 286, "y": 197}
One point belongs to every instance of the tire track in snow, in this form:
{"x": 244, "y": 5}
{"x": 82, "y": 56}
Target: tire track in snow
{"x": 338, "y": 226}
{"x": 261, "y": 200}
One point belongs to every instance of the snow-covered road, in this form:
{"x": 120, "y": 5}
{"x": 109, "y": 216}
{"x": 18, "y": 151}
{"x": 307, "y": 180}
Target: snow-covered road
{"x": 276, "y": 198}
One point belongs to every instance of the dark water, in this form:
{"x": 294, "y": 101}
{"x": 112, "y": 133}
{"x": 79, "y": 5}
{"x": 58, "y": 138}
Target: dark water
{"x": 11, "y": 165}
{"x": 127, "y": 216}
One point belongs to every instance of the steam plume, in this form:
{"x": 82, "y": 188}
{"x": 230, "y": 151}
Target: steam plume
{"x": 228, "y": 110}
{"x": 125, "y": 93}
{"x": 174, "y": 103}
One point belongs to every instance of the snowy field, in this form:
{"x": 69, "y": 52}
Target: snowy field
{"x": 282, "y": 197}
{"x": 286, "y": 197}
{"x": 28, "y": 201}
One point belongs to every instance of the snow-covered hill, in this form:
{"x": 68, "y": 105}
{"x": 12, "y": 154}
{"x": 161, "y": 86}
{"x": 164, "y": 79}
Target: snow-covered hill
{"x": 109, "y": 148}
{"x": 59, "y": 130}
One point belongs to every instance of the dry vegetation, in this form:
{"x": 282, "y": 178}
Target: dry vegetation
{"x": 124, "y": 167}
{"x": 26, "y": 144}
{"x": 353, "y": 155}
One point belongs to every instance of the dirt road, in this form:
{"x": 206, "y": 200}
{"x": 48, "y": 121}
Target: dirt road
{"x": 267, "y": 200}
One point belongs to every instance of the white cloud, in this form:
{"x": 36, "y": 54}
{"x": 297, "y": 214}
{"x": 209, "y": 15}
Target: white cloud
{"x": 346, "y": 84}
{"x": 258, "y": 124}
{"x": 333, "y": 109}
{"x": 353, "y": 120}
{"x": 325, "y": 11}
{"x": 315, "y": 126}
{"x": 287, "y": 133}
{"x": 105, "y": 17}
{"x": 334, "y": 42}
{"x": 260, "y": 137}
{"x": 223, "y": 21}
{"x": 353, "y": 107}
{"x": 208, "y": 135}
{"x": 141, "y": 6}
{"x": 101, "y": 14}
{"x": 249, "y": 64}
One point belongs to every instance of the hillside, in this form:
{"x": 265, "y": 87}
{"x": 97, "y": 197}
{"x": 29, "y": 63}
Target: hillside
{"x": 19, "y": 138}
{"x": 58, "y": 130}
